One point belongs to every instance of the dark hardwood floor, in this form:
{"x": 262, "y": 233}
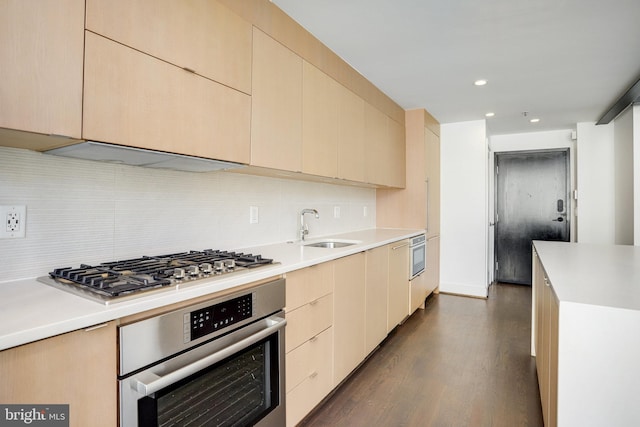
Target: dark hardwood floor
{"x": 460, "y": 362}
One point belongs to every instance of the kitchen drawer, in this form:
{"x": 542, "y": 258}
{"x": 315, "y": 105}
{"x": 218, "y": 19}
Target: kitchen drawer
{"x": 313, "y": 388}
{"x": 308, "y": 321}
{"x": 310, "y": 359}
{"x": 309, "y": 284}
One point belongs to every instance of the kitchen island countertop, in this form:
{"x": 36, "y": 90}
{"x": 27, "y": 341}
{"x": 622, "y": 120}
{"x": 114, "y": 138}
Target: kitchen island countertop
{"x": 30, "y": 310}
{"x": 589, "y": 334}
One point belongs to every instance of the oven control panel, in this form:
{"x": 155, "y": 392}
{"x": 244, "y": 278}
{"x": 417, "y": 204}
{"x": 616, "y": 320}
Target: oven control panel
{"x": 213, "y": 318}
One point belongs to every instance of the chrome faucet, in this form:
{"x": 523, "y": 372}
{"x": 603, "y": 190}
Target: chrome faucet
{"x": 304, "y": 228}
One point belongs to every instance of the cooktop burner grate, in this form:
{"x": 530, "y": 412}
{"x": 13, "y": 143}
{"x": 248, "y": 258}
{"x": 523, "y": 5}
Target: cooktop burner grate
{"x": 118, "y": 278}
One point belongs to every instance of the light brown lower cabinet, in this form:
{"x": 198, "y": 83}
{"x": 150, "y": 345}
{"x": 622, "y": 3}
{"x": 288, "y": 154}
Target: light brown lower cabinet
{"x": 398, "y": 289}
{"x": 72, "y": 369}
{"x": 348, "y": 315}
{"x": 418, "y": 292}
{"x": 308, "y": 339}
{"x": 309, "y": 375}
{"x": 377, "y": 281}
{"x": 546, "y": 342}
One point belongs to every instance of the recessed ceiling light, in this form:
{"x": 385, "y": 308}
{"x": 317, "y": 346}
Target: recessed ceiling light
{"x": 534, "y": 120}
{"x": 480, "y": 82}
{"x": 490, "y": 114}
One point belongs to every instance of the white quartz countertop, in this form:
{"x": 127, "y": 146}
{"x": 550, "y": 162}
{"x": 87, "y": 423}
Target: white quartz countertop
{"x": 602, "y": 275}
{"x": 30, "y": 310}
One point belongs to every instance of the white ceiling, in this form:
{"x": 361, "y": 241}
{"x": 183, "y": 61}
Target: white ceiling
{"x": 563, "y": 61}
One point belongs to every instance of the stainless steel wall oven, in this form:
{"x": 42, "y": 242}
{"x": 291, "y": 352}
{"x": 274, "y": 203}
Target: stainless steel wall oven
{"x": 216, "y": 363}
{"x": 417, "y": 256}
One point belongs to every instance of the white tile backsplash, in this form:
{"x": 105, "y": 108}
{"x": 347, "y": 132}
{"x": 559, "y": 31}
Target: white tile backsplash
{"x": 89, "y": 212}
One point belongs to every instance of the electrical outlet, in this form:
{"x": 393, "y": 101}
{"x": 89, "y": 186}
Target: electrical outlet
{"x": 15, "y": 221}
{"x": 254, "y": 215}
{"x": 336, "y": 212}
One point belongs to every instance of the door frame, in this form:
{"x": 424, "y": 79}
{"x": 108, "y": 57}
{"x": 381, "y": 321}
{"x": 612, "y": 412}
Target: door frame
{"x": 571, "y": 201}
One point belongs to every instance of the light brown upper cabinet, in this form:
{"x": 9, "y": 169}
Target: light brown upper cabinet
{"x": 276, "y": 110}
{"x": 320, "y": 100}
{"x": 200, "y": 35}
{"x": 384, "y": 149}
{"x": 395, "y": 147}
{"x": 41, "y": 58}
{"x": 134, "y": 99}
{"x": 375, "y": 132}
{"x": 351, "y": 142}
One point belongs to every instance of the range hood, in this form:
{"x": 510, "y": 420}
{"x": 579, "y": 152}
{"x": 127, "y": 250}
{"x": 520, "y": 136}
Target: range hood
{"x": 99, "y": 151}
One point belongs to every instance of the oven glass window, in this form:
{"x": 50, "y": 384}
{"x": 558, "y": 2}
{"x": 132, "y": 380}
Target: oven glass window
{"x": 238, "y": 391}
{"x": 419, "y": 260}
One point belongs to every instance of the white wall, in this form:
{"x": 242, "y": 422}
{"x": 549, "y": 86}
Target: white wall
{"x": 623, "y": 177}
{"x": 549, "y": 140}
{"x": 88, "y": 212}
{"x": 596, "y": 183}
{"x": 464, "y": 221}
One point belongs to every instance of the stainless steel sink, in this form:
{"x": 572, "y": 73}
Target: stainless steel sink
{"x": 331, "y": 244}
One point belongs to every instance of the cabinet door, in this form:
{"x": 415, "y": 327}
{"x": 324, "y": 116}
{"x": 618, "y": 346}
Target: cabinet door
{"x": 398, "y": 290}
{"x": 554, "y": 314}
{"x": 307, "y": 321}
{"x": 203, "y": 36}
{"x": 418, "y": 289}
{"x": 385, "y": 149}
{"x": 375, "y": 128}
{"x": 319, "y": 122}
{"x": 67, "y": 369}
{"x": 276, "y": 105}
{"x": 432, "y": 153}
{"x": 395, "y": 148}
{"x": 308, "y": 284}
{"x": 348, "y": 315}
{"x": 377, "y": 279}
{"x": 432, "y": 270}
{"x": 309, "y": 376}
{"x": 351, "y": 142}
{"x": 41, "y": 56}
{"x": 136, "y": 100}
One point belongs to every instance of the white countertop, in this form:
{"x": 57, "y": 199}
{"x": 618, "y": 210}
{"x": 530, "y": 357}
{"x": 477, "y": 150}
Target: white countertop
{"x": 30, "y": 310}
{"x": 602, "y": 275}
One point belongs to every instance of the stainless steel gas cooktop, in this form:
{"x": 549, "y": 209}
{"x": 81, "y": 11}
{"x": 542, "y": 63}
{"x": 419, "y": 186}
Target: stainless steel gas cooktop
{"x": 119, "y": 280}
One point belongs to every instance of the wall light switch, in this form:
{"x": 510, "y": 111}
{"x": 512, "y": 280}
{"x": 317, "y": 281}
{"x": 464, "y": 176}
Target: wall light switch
{"x": 336, "y": 211}
{"x": 254, "y": 215}
{"x": 364, "y": 211}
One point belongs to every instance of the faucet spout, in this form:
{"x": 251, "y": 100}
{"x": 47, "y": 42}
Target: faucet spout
{"x": 304, "y": 228}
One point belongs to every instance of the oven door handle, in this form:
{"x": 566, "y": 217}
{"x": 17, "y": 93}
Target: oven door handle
{"x": 158, "y": 383}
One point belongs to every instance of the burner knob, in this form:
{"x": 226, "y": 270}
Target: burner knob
{"x": 206, "y": 268}
{"x": 230, "y": 264}
{"x": 193, "y": 270}
{"x": 218, "y": 265}
{"x": 178, "y": 273}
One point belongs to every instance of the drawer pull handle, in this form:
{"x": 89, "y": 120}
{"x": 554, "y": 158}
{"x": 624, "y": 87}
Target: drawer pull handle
{"x": 313, "y": 374}
{"x": 398, "y": 247}
{"x": 93, "y": 328}
{"x": 314, "y": 302}
{"x": 313, "y": 339}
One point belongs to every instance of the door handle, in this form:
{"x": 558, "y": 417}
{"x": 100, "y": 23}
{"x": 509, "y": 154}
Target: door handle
{"x": 559, "y": 219}
{"x": 152, "y": 382}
